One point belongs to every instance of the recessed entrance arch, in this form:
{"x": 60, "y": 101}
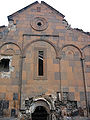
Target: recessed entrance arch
{"x": 40, "y": 113}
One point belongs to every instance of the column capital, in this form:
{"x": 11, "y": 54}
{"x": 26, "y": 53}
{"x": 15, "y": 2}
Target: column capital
{"x": 82, "y": 58}
{"x": 58, "y": 57}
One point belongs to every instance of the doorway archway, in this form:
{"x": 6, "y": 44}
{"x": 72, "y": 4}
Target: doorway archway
{"x": 40, "y": 113}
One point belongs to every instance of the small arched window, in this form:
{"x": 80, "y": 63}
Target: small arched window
{"x": 40, "y": 63}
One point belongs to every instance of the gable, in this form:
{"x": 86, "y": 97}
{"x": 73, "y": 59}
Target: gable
{"x": 10, "y": 17}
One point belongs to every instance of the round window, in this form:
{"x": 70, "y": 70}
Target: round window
{"x": 39, "y": 23}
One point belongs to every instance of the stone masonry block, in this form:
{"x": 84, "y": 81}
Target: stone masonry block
{"x": 82, "y": 96}
{"x": 65, "y": 89}
{"x": 74, "y": 38}
{"x": 71, "y": 96}
{"x": 15, "y": 81}
{"x": 17, "y": 74}
{"x": 15, "y": 96}
{"x": 57, "y": 76}
{"x": 87, "y": 58}
{"x": 2, "y": 95}
{"x": 87, "y": 70}
{"x": 88, "y": 94}
{"x": 55, "y": 61}
{"x": 62, "y": 38}
{"x": 63, "y": 75}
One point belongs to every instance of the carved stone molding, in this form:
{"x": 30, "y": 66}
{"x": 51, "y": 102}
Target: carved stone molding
{"x": 39, "y": 23}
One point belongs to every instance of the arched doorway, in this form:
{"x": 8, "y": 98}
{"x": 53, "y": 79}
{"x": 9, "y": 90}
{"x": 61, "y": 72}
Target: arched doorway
{"x": 40, "y": 113}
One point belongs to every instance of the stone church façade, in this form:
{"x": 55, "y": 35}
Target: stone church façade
{"x": 44, "y": 63}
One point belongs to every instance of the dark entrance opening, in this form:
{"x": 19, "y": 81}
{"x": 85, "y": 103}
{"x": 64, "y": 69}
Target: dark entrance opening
{"x": 40, "y": 113}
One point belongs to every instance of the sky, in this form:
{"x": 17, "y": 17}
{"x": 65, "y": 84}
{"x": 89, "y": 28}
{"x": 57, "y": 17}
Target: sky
{"x": 77, "y": 12}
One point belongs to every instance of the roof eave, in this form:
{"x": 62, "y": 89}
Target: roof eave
{"x": 53, "y": 9}
{"x": 10, "y": 17}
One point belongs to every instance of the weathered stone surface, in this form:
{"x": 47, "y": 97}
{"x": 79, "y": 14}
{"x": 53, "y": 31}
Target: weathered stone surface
{"x": 35, "y": 28}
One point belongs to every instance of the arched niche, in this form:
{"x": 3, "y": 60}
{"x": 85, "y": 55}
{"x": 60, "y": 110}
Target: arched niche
{"x": 10, "y": 52}
{"x": 10, "y": 48}
{"x": 73, "y": 48}
{"x": 71, "y": 70}
{"x": 29, "y": 75}
{"x": 40, "y": 40}
{"x": 86, "y": 52}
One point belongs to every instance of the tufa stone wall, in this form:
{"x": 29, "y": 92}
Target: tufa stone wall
{"x": 66, "y": 61}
